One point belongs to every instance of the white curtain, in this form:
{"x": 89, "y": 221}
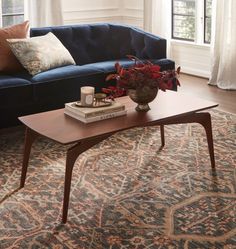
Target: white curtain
{"x": 223, "y": 72}
{"x": 157, "y": 19}
{"x": 43, "y": 13}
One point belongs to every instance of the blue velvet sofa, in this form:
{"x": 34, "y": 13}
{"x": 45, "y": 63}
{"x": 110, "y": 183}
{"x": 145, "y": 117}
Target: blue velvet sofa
{"x": 95, "y": 49}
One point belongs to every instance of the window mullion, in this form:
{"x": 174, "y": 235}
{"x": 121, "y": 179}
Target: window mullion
{"x": 200, "y": 21}
{"x": 0, "y": 13}
{"x": 13, "y": 14}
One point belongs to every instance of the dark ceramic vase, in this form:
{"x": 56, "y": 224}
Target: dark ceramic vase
{"x": 142, "y": 96}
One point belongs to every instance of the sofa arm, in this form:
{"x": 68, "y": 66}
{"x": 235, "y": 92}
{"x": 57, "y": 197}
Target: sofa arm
{"x": 147, "y": 46}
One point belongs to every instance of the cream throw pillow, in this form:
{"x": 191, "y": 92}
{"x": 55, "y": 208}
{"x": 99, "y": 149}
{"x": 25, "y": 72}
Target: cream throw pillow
{"x": 41, "y": 53}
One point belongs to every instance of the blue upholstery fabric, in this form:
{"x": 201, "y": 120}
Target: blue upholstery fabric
{"x": 109, "y": 66}
{"x": 95, "y": 49}
{"x": 101, "y": 42}
{"x": 7, "y": 81}
{"x": 146, "y": 46}
{"x": 63, "y": 73}
{"x": 15, "y": 95}
{"x": 13, "y": 90}
{"x": 86, "y": 43}
{"x": 165, "y": 64}
{"x": 64, "y": 90}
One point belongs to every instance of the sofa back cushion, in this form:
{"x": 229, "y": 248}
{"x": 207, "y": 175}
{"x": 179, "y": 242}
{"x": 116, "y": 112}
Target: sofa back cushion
{"x": 101, "y": 42}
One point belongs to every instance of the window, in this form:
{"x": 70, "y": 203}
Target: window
{"x": 12, "y": 12}
{"x": 191, "y": 20}
{"x": 183, "y": 19}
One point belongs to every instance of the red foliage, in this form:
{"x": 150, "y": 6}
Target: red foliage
{"x": 113, "y": 92}
{"x": 142, "y": 74}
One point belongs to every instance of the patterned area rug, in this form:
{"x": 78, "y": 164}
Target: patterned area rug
{"x": 126, "y": 192}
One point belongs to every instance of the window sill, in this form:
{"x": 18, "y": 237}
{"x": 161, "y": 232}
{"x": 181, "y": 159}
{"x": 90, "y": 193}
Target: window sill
{"x": 190, "y": 44}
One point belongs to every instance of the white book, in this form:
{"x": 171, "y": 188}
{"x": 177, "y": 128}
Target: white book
{"x": 95, "y": 118}
{"x": 87, "y": 112}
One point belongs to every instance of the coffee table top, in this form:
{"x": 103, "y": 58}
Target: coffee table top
{"x": 65, "y": 130}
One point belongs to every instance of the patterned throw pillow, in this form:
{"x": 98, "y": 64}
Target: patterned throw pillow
{"x": 41, "y": 53}
{"x": 8, "y": 61}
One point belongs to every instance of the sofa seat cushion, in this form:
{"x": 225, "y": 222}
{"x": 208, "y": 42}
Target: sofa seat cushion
{"x": 109, "y": 66}
{"x": 7, "y": 81}
{"x": 57, "y": 86}
{"x": 63, "y": 73}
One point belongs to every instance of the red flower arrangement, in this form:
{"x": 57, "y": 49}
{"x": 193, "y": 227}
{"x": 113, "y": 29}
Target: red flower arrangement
{"x": 141, "y": 74}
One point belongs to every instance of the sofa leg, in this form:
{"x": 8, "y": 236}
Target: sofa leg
{"x": 162, "y": 135}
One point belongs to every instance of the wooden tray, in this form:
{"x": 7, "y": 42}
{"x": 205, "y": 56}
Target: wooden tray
{"x": 98, "y": 104}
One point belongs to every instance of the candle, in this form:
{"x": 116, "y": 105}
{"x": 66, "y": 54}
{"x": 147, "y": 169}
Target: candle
{"x": 86, "y": 95}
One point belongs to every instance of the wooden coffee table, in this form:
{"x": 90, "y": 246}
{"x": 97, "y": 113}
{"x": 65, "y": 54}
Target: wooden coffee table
{"x": 168, "y": 108}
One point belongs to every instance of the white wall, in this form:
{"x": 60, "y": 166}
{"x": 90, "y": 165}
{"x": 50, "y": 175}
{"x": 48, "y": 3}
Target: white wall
{"x": 115, "y": 11}
{"x": 133, "y": 12}
{"x": 90, "y": 11}
{"x": 192, "y": 58}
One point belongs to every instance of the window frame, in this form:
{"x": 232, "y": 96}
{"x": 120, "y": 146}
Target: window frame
{"x": 11, "y": 14}
{"x": 200, "y": 23}
{"x": 205, "y": 22}
{"x": 0, "y": 13}
{"x": 172, "y": 24}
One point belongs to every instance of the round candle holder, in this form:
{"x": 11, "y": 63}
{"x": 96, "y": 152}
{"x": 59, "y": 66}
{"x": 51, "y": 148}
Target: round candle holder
{"x": 99, "y": 98}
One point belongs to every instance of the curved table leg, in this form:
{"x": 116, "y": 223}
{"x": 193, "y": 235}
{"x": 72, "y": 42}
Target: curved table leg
{"x": 205, "y": 121}
{"x": 72, "y": 154}
{"x": 30, "y": 136}
{"x": 203, "y": 118}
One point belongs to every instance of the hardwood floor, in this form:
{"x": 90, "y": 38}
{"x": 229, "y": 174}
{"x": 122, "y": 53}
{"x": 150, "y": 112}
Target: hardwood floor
{"x": 198, "y": 87}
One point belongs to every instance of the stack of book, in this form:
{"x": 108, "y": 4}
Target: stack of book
{"x": 88, "y": 114}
